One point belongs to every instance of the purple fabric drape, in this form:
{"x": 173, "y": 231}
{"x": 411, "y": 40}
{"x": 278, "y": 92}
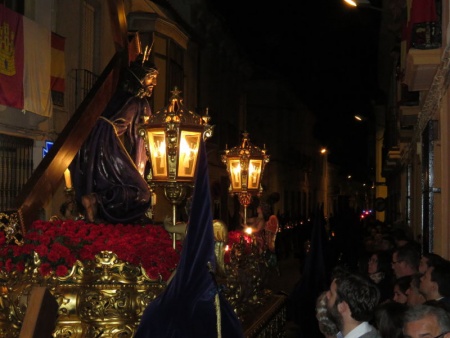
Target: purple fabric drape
{"x": 111, "y": 168}
{"x": 186, "y": 307}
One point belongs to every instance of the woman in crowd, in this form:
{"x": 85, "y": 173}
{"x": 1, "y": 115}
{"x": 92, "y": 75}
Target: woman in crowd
{"x": 258, "y": 224}
{"x": 389, "y": 319}
{"x": 400, "y": 286}
{"x": 379, "y": 270}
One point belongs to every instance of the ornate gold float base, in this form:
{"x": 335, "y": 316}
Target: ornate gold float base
{"x": 107, "y": 297}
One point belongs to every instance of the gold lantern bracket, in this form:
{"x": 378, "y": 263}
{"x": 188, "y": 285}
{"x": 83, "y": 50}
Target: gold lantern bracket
{"x": 174, "y": 192}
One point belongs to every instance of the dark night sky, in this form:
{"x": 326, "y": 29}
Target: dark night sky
{"x": 328, "y": 52}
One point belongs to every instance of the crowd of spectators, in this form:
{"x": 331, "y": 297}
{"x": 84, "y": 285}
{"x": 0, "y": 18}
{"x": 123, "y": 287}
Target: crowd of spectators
{"x": 412, "y": 288}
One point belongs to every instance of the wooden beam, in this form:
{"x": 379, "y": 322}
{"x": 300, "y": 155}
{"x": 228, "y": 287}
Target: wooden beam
{"x": 41, "y": 315}
{"x": 118, "y": 25}
{"x": 44, "y": 181}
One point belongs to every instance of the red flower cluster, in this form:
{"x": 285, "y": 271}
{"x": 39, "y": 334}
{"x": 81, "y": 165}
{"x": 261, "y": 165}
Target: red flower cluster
{"x": 60, "y": 244}
{"x": 237, "y": 239}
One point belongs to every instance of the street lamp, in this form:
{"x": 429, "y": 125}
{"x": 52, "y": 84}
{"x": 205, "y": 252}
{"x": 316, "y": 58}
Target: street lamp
{"x": 172, "y": 139}
{"x": 380, "y": 191}
{"x": 324, "y": 152}
{"x": 245, "y": 167}
{"x": 362, "y": 3}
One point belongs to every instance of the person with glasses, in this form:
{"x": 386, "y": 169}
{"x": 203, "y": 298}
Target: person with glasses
{"x": 405, "y": 260}
{"x": 426, "y": 321}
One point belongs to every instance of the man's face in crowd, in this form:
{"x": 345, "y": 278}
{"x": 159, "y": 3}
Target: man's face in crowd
{"x": 414, "y": 297}
{"x": 332, "y": 305}
{"x": 423, "y": 265}
{"x": 397, "y": 266}
{"x": 426, "y": 284}
{"x": 423, "y": 328}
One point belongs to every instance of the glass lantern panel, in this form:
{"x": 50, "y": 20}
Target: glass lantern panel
{"x": 188, "y": 153}
{"x": 234, "y": 167}
{"x": 157, "y": 146}
{"x": 254, "y": 173}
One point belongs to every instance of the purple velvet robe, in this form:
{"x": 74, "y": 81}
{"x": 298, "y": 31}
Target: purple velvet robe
{"x": 186, "y": 307}
{"x": 112, "y": 161}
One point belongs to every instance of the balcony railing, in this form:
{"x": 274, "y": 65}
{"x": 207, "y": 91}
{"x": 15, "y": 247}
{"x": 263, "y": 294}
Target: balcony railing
{"x": 16, "y": 166}
{"x": 80, "y": 83}
{"x": 426, "y": 35}
{"x": 425, "y": 22}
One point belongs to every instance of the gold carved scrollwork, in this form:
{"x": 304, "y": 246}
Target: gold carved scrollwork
{"x": 9, "y": 224}
{"x": 104, "y": 297}
{"x": 246, "y": 278}
{"x": 107, "y": 268}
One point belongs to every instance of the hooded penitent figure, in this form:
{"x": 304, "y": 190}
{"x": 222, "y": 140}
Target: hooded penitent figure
{"x": 108, "y": 170}
{"x": 191, "y": 306}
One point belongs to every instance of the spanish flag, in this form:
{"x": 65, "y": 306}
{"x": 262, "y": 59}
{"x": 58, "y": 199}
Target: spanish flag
{"x": 26, "y": 64}
{"x": 58, "y": 69}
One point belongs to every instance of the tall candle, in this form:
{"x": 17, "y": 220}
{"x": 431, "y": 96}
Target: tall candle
{"x": 68, "y": 179}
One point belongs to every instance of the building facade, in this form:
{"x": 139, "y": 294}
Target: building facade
{"x": 193, "y": 52}
{"x": 415, "y": 155}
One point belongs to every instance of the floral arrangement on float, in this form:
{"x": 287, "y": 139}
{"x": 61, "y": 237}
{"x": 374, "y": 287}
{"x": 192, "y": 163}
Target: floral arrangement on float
{"x": 237, "y": 240}
{"x": 59, "y": 245}
{"x": 104, "y": 275}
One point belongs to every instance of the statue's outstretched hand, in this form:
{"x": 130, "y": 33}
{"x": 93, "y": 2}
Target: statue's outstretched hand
{"x": 167, "y": 221}
{"x": 179, "y": 228}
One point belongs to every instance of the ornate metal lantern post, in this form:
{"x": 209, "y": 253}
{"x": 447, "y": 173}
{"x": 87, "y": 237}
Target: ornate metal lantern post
{"x": 245, "y": 166}
{"x": 172, "y": 139}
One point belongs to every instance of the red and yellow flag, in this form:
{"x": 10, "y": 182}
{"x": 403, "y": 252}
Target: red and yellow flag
{"x": 31, "y": 63}
{"x": 11, "y": 58}
{"x": 58, "y": 70}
